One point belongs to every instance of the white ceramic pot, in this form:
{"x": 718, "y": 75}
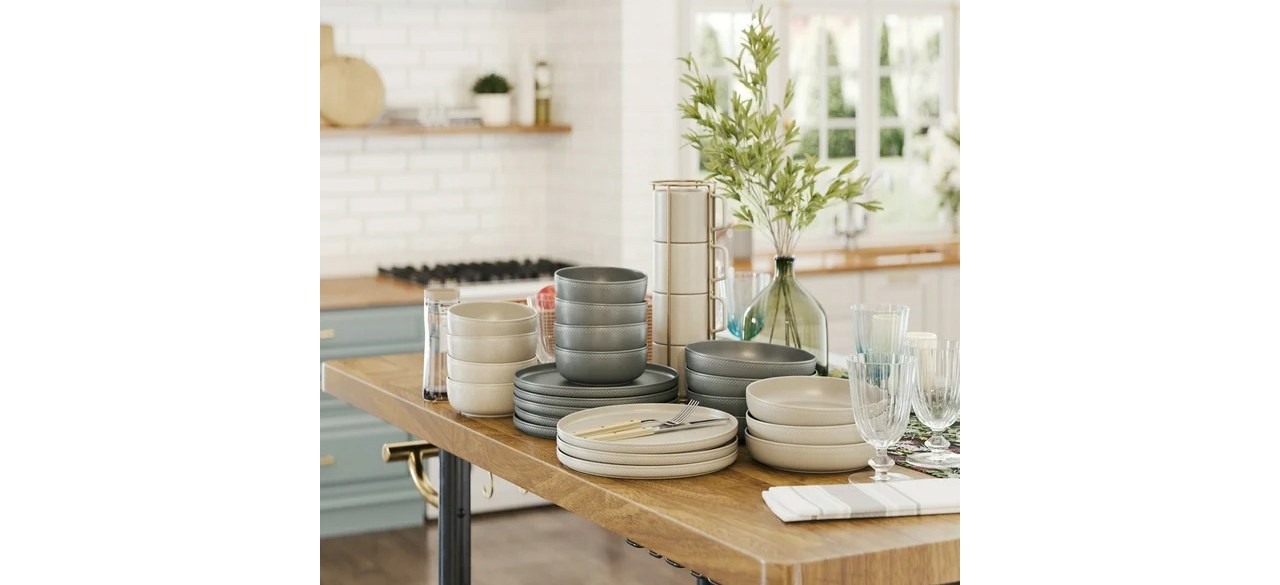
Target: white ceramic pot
{"x": 495, "y": 108}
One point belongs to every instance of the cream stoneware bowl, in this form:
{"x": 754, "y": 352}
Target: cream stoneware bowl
{"x": 493, "y": 350}
{"x": 484, "y": 318}
{"x": 801, "y": 401}
{"x": 481, "y": 373}
{"x": 804, "y": 435}
{"x": 481, "y": 400}
{"x": 809, "y": 458}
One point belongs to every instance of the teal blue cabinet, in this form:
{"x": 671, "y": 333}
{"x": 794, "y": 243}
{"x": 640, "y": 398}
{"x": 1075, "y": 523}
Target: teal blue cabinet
{"x": 358, "y": 491}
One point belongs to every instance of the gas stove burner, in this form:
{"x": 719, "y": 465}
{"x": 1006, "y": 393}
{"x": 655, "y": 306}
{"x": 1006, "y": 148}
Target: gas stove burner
{"x": 475, "y": 272}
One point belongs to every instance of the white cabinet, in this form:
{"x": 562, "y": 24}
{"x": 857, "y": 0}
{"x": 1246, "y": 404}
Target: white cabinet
{"x": 836, "y": 292}
{"x": 917, "y": 288}
{"x": 949, "y": 303}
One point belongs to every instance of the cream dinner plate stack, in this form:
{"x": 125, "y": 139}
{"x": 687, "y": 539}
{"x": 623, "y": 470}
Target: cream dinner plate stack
{"x": 681, "y": 453}
{"x": 687, "y": 262}
{"x": 804, "y": 424}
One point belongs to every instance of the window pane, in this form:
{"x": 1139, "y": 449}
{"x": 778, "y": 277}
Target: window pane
{"x": 841, "y": 146}
{"x": 807, "y": 105}
{"x": 926, "y": 40}
{"x": 842, "y": 42}
{"x": 805, "y": 34}
{"x": 893, "y": 40}
{"x": 808, "y": 143}
{"x": 892, "y": 100}
{"x": 925, "y": 89}
{"x": 891, "y": 143}
{"x": 712, "y": 38}
{"x": 842, "y": 97}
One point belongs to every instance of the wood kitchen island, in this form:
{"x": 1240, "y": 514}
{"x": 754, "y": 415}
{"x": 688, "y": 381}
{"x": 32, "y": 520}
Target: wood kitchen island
{"x": 716, "y": 525}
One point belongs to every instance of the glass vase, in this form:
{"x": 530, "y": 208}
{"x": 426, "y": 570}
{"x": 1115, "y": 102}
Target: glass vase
{"x": 785, "y": 313}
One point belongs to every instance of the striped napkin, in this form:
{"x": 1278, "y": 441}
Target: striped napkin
{"x": 913, "y": 497}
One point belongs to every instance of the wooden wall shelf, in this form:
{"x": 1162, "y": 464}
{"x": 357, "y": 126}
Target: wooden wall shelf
{"x": 407, "y": 130}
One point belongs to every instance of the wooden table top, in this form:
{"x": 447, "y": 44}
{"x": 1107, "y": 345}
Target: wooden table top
{"x": 715, "y": 524}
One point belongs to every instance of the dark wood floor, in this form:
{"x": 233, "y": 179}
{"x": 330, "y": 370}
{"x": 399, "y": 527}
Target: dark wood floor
{"x": 535, "y": 546}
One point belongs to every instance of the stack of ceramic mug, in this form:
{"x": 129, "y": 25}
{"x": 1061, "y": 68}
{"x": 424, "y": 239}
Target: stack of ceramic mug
{"x": 686, "y": 264}
{"x": 600, "y": 324}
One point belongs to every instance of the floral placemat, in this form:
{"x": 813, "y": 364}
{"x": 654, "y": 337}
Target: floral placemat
{"x": 913, "y": 442}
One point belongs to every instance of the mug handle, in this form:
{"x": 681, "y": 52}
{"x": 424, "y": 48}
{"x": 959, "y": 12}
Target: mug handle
{"x": 719, "y": 319}
{"x": 724, "y": 212}
{"x": 721, "y": 253}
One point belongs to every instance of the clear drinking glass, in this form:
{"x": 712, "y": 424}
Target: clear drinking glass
{"x": 937, "y": 397}
{"x": 879, "y": 328}
{"x": 544, "y": 306}
{"x": 881, "y": 385}
{"x": 743, "y": 287}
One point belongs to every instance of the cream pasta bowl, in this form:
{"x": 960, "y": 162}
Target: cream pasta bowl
{"x": 801, "y": 400}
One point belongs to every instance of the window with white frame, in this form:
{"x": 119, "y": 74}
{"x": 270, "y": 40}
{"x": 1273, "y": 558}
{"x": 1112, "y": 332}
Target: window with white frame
{"x": 872, "y": 76}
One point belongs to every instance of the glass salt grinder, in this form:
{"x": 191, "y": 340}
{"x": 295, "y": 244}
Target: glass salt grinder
{"x": 435, "y": 314}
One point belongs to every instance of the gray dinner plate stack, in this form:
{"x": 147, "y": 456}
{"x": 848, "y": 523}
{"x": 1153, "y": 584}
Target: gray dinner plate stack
{"x": 719, "y": 371}
{"x": 543, "y": 396}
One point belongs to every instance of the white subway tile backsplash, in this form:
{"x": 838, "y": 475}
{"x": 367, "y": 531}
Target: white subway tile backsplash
{"x": 377, "y": 203}
{"x": 409, "y": 182}
{"x": 391, "y": 161}
{"x": 415, "y": 14}
{"x": 450, "y": 222}
{"x": 464, "y": 16}
{"x": 437, "y": 202}
{"x": 339, "y": 226}
{"x": 340, "y": 144}
{"x": 436, "y": 36}
{"x": 437, "y": 160}
{"x": 332, "y": 163}
{"x": 333, "y": 206}
{"x": 452, "y": 56}
{"x": 403, "y": 224}
{"x": 392, "y": 143}
{"x": 333, "y": 246}
{"x": 346, "y": 183}
{"x": 378, "y": 244}
{"x": 378, "y": 35}
{"x": 465, "y": 180}
{"x": 482, "y": 160}
{"x": 341, "y": 15}
{"x": 381, "y": 57}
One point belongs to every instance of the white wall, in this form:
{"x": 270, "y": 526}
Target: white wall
{"x": 582, "y": 197}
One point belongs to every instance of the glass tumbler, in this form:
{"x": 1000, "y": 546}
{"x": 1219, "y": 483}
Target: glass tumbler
{"x": 936, "y": 399}
{"x": 743, "y": 287}
{"x": 881, "y": 386}
{"x": 879, "y": 329}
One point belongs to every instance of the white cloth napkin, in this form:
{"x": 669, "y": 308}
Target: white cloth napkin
{"x": 913, "y": 497}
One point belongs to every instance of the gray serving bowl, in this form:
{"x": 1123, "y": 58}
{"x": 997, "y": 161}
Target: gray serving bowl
{"x": 601, "y": 367}
{"x": 601, "y": 284}
{"x": 575, "y": 313}
{"x": 602, "y": 337}
{"x": 747, "y": 359}
{"x": 717, "y": 385}
{"x": 735, "y": 406}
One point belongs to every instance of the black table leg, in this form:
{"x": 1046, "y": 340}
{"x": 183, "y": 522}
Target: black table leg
{"x": 455, "y": 520}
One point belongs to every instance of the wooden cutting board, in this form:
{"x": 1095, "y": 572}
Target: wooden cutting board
{"x": 326, "y": 43}
{"x": 351, "y": 92}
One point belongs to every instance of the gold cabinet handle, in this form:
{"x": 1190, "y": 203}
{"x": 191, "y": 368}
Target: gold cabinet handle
{"x": 326, "y": 334}
{"x": 415, "y": 452}
{"x": 327, "y": 460}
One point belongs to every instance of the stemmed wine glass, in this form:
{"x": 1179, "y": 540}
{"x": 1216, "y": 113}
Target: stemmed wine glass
{"x": 936, "y": 399}
{"x": 881, "y": 385}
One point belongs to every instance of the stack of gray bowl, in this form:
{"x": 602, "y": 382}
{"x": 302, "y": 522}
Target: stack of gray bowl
{"x": 601, "y": 327}
{"x": 719, "y": 371}
{"x": 543, "y": 396}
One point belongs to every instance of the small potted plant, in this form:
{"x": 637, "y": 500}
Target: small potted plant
{"x": 493, "y": 99}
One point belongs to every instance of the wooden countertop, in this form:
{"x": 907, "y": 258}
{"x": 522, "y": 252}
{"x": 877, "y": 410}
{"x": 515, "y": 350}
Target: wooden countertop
{"x": 860, "y": 259}
{"x": 715, "y": 524}
{"x": 377, "y": 291}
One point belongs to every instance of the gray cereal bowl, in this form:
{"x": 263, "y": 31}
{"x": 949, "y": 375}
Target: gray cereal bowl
{"x": 717, "y": 385}
{"x": 735, "y": 406}
{"x": 601, "y": 284}
{"x": 601, "y": 367}
{"x": 575, "y": 313}
{"x": 602, "y": 337}
{"x": 747, "y": 359}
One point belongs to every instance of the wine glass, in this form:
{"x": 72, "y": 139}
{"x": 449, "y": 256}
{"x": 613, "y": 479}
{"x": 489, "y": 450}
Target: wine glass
{"x": 936, "y": 399}
{"x": 879, "y": 328}
{"x": 742, "y": 288}
{"x": 880, "y": 386}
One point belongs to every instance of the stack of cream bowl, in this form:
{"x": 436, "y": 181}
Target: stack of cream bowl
{"x": 804, "y": 424}
{"x": 719, "y": 371}
{"x": 600, "y": 324}
{"x": 708, "y": 448}
{"x": 488, "y": 343}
